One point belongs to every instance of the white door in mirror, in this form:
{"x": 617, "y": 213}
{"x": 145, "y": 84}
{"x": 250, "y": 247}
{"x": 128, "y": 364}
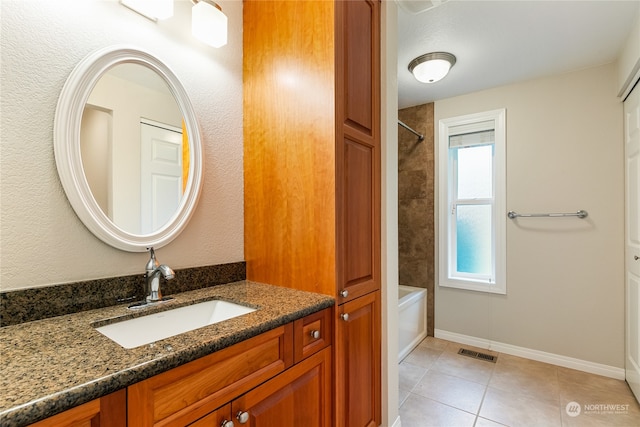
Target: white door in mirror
{"x": 161, "y": 175}
{"x": 154, "y": 327}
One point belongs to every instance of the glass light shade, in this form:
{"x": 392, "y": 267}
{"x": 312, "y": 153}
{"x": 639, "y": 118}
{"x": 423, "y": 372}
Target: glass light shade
{"x": 209, "y": 24}
{"x": 152, "y": 9}
{"x": 432, "y": 71}
{"x": 431, "y": 67}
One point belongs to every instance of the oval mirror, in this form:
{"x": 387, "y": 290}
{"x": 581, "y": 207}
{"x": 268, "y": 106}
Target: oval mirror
{"x": 128, "y": 149}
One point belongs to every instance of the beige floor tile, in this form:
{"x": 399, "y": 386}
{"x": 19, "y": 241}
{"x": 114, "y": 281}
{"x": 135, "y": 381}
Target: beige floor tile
{"x": 446, "y": 389}
{"x": 588, "y": 396}
{"x": 453, "y": 391}
{"x": 530, "y": 378}
{"x": 483, "y": 422}
{"x": 594, "y": 393}
{"x": 475, "y": 370}
{"x": 423, "y": 356}
{"x": 600, "y": 406}
{"x": 601, "y": 415}
{"x": 410, "y": 375}
{"x": 539, "y": 390}
{"x": 512, "y": 409}
{"x": 528, "y": 364}
{"x": 434, "y": 343}
{"x": 577, "y": 384}
{"x": 418, "y": 411}
{"x": 402, "y": 396}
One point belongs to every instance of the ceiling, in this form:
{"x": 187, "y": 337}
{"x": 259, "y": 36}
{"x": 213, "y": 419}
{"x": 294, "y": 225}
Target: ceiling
{"x": 502, "y": 42}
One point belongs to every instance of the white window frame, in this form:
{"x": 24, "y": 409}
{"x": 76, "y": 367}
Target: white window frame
{"x": 446, "y": 215}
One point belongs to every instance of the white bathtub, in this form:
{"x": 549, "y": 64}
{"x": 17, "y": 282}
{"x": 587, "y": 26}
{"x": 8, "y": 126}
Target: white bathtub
{"x": 412, "y": 318}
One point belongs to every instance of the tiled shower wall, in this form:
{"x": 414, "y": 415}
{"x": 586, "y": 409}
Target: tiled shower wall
{"x": 416, "y": 203}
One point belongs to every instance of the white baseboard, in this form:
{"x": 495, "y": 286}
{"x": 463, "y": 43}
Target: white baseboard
{"x": 540, "y": 356}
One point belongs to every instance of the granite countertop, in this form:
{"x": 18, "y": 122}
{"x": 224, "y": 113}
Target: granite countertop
{"x": 51, "y": 365}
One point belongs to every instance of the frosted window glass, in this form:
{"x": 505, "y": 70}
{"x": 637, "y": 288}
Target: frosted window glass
{"x": 473, "y": 239}
{"x": 475, "y": 171}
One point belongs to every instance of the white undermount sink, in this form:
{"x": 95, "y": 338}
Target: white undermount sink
{"x": 147, "y": 329}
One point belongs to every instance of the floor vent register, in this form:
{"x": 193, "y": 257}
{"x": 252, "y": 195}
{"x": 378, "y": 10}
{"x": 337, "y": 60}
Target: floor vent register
{"x": 477, "y": 355}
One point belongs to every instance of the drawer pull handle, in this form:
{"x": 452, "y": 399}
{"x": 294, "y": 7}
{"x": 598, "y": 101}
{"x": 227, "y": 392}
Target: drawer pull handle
{"x": 344, "y": 293}
{"x": 345, "y": 316}
{"x": 315, "y": 334}
{"x": 226, "y": 423}
{"x": 243, "y": 417}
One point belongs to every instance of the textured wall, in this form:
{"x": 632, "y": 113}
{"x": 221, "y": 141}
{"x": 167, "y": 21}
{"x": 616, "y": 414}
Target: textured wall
{"x": 565, "y": 276}
{"x": 42, "y": 240}
{"x": 416, "y": 234}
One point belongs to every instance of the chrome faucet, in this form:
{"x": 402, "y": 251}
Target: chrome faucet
{"x": 153, "y": 271}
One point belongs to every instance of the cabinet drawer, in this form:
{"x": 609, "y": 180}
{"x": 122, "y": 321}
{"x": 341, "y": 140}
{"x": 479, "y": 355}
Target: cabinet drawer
{"x": 311, "y": 334}
{"x": 188, "y": 392}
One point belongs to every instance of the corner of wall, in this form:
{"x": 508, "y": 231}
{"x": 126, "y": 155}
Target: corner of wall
{"x": 629, "y": 60}
{"x": 389, "y": 249}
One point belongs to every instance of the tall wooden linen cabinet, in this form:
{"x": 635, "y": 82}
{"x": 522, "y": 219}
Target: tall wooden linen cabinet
{"x": 311, "y": 79}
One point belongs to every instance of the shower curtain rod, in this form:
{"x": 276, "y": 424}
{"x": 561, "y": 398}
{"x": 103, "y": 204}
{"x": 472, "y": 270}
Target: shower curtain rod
{"x": 420, "y": 136}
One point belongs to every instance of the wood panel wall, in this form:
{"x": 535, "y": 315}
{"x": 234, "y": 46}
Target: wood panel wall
{"x": 289, "y": 144}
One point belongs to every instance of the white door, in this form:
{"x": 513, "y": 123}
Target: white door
{"x": 632, "y": 237}
{"x": 161, "y": 175}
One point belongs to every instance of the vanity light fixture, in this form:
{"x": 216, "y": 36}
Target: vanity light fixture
{"x": 152, "y": 9}
{"x": 208, "y": 23}
{"x": 431, "y": 67}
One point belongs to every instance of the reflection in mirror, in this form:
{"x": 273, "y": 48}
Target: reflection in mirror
{"x": 135, "y": 153}
{"x": 128, "y": 148}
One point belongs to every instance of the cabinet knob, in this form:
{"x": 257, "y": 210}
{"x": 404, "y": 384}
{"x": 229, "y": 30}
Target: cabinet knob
{"x": 344, "y": 293}
{"x": 243, "y": 417}
{"x": 636, "y": 257}
{"x": 315, "y": 334}
{"x": 226, "y": 423}
{"x": 345, "y": 316}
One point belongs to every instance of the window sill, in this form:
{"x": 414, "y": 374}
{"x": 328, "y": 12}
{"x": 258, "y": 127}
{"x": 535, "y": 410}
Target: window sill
{"x": 469, "y": 285}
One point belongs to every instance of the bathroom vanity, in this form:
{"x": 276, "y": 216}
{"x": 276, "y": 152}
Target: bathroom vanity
{"x": 294, "y": 389}
{"x": 271, "y": 364}
{"x": 312, "y": 226}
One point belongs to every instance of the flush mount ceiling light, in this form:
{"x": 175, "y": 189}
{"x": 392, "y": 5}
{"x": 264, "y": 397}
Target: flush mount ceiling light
{"x": 208, "y": 23}
{"x": 431, "y": 67}
{"x": 152, "y": 9}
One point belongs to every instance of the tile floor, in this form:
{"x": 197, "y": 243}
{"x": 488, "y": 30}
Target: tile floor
{"x": 439, "y": 387}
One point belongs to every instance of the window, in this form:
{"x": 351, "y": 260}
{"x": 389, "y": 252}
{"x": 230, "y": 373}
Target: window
{"x": 472, "y": 202}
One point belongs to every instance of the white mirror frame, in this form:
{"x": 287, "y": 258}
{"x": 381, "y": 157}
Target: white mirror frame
{"x": 66, "y": 144}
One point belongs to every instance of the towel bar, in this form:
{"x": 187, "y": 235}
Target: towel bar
{"x": 580, "y": 214}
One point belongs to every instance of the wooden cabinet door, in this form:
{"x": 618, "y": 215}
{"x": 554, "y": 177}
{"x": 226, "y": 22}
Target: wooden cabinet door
{"x": 108, "y": 411}
{"x": 300, "y": 396}
{"x": 358, "y": 362}
{"x": 357, "y": 35}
